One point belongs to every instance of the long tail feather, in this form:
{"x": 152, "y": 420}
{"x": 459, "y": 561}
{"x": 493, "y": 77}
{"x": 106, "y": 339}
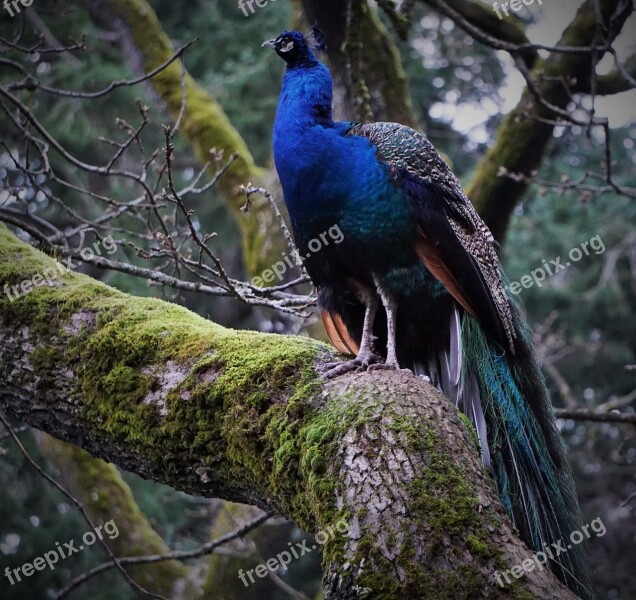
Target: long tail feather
{"x": 505, "y": 398}
{"x": 530, "y": 467}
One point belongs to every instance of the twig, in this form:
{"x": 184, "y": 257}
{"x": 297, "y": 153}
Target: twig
{"x": 583, "y": 414}
{"x": 118, "y": 83}
{"x": 203, "y": 550}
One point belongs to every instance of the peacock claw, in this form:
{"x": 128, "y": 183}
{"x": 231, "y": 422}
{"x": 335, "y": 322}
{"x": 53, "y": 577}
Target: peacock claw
{"x": 359, "y": 364}
{"x": 392, "y": 366}
{"x": 384, "y": 367}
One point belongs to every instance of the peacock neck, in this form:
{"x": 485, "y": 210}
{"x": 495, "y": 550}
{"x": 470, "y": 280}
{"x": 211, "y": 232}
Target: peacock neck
{"x": 302, "y": 118}
{"x": 305, "y": 99}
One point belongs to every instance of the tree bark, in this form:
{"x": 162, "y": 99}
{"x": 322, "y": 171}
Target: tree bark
{"x": 244, "y": 416}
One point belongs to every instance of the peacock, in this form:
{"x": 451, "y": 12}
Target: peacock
{"x": 416, "y": 283}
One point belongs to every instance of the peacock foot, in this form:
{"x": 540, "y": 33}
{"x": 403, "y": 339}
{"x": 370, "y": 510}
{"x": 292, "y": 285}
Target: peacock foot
{"x": 389, "y": 365}
{"x": 385, "y": 366}
{"x": 360, "y": 363}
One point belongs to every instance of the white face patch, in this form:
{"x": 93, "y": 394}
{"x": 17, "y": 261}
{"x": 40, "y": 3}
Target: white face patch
{"x": 287, "y": 47}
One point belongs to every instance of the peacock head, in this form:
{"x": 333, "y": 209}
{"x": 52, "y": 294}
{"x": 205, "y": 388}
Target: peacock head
{"x": 298, "y": 49}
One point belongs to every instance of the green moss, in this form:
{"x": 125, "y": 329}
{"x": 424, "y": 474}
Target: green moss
{"x": 452, "y": 513}
{"x": 471, "y": 430}
{"x": 118, "y": 350}
{"x": 444, "y": 498}
{"x": 478, "y": 546}
{"x": 305, "y": 442}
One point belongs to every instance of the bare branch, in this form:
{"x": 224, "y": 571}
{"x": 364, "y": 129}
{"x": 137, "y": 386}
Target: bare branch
{"x": 583, "y": 414}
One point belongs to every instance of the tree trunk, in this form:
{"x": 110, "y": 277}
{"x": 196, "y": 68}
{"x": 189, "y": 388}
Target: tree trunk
{"x": 244, "y": 416}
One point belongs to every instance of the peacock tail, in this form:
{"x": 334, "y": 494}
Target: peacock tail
{"x": 527, "y": 455}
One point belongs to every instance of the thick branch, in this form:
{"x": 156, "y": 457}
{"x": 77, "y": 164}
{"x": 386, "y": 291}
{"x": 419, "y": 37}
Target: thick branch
{"x": 242, "y": 416}
{"x": 524, "y": 134}
{"x": 480, "y": 21}
{"x": 617, "y": 81}
{"x": 581, "y": 414}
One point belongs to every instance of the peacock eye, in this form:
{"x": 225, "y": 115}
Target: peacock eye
{"x": 287, "y": 47}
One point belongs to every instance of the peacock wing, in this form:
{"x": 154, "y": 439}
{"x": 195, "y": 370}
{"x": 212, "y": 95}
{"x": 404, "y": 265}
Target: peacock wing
{"x": 452, "y": 240}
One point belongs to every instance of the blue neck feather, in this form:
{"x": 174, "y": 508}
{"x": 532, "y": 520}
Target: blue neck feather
{"x": 303, "y": 122}
{"x": 305, "y": 101}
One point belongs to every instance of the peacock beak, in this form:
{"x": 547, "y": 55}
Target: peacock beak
{"x": 270, "y": 43}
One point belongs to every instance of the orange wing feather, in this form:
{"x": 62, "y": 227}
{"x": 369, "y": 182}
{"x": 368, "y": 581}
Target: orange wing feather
{"x": 430, "y": 255}
{"x": 338, "y": 334}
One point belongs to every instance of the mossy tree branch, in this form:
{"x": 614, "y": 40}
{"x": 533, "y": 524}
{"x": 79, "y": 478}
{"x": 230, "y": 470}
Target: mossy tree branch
{"x": 205, "y": 125}
{"x": 473, "y": 16}
{"x": 615, "y": 81}
{"x": 243, "y": 416}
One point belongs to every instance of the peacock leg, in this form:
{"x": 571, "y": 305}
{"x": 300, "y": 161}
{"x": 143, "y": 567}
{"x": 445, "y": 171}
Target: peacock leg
{"x": 365, "y": 354}
{"x": 390, "y": 306}
{"x": 365, "y": 357}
